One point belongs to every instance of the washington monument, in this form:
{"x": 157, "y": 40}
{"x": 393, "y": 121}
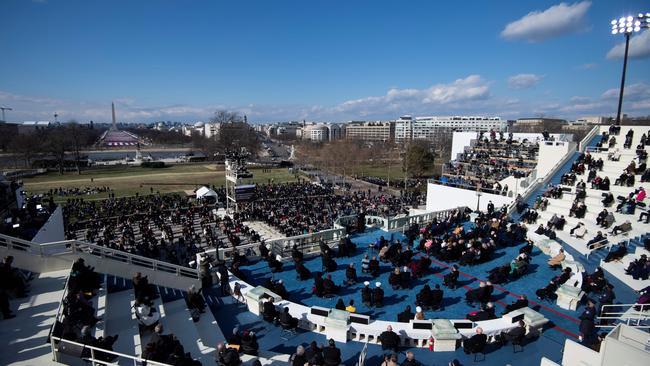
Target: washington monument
{"x": 113, "y": 109}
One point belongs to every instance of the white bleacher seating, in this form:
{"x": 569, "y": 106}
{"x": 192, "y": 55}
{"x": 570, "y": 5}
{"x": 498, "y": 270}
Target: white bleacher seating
{"x": 121, "y": 320}
{"x": 617, "y": 269}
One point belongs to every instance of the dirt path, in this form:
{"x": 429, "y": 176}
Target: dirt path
{"x": 128, "y": 177}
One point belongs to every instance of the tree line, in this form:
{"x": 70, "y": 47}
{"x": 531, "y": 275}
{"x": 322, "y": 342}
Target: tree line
{"x": 234, "y": 133}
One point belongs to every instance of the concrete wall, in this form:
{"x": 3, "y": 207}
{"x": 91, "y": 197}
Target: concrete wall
{"x": 550, "y": 153}
{"x": 441, "y": 197}
{"x": 52, "y": 230}
{"x": 576, "y": 354}
{"x": 546, "y": 362}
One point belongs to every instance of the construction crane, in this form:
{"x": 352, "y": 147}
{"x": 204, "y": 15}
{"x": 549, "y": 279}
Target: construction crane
{"x": 3, "y": 112}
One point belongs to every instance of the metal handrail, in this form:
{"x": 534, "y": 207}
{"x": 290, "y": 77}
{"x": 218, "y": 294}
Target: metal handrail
{"x": 60, "y": 308}
{"x": 626, "y": 316}
{"x": 78, "y": 246}
{"x": 136, "y": 360}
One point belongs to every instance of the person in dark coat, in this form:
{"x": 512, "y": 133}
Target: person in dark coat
{"x": 314, "y": 354}
{"x": 476, "y": 343}
{"x": 249, "y": 343}
{"x": 451, "y": 279}
{"x": 299, "y": 358}
{"x": 378, "y": 296}
{"x": 366, "y": 294}
{"x": 389, "y": 339}
{"x": 513, "y": 334}
{"x": 331, "y": 354}
{"x": 406, "y": 315}
{"x": 522, "y": 302}
{"x": 223, "y": 279}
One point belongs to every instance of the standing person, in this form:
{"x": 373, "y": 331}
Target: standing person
{"x": 223, "y": 279}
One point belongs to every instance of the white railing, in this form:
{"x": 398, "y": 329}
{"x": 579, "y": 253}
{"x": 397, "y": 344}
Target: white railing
{"x": 362, "y": 355}
{"x": 77, "y": 246}
{"x": 541, "y": 181}
{"x": 59, "y": 346}
{"x": 626, "y": 313}
{"x": 597, "y": 245}
{"x": 307, "y": 243}
{"x": 583, "y": 143}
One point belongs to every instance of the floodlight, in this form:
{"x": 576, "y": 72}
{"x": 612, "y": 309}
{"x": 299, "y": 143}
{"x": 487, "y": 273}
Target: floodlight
{"x": 636, "y": 29}
{"x": 621, "y": 20}
{"x": 637, "y": 23}
{"x": 614, "y": 21}
{"x": 629, "y": 18}
{"x": 614, "y": 31}
{"x": 641, "y": 15}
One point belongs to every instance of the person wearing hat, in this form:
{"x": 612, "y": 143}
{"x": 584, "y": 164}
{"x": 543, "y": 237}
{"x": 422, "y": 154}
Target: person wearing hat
{"x": 366, "y": 294}
{"x": 378, "y": 296}
{"x": 419, "y": 314}
{"x": 249, "y": 343}
{"x": 331, "y": 354}
{"x": 279, "y": 289}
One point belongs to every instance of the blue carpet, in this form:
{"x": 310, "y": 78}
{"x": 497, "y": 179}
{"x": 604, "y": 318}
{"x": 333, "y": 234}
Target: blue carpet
{"x": 563, "y": 323}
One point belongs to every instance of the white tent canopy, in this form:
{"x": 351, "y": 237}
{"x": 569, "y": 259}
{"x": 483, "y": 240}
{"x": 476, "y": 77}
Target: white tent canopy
{"x": 205, "y": 192}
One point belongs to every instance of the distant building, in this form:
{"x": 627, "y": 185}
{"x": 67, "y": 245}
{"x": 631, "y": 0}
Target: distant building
{"x": 370, "y": 131}
{"x": 538, "y": 121}
{"x": 427, "y": 128}
{"x": 336, "y": 131}
{"x": 316, "y": 133}
{"x": 592, "y": 120}
{"x": 28, "y": 127}
{"x": 211, "y": 129}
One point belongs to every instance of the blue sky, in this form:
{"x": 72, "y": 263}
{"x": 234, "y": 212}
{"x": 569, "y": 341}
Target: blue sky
{"x": 316, "y": 60}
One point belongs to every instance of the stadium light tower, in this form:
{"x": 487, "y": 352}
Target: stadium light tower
{"x": 626, "y": 26}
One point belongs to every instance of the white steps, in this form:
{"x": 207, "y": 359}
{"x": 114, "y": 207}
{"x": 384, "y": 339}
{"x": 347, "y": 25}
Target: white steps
{"x": 23, "y": 338}
{"x": 120, "y": 321}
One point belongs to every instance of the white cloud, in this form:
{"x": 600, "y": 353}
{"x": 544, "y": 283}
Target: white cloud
{"x": 639, "y": 47}
{"x": 524, "y": 81}
{"x": 634, "y": 92}
{"x": 465, "y": 96}
{"x": 553, "y": 22}
{"x": 470, "y": 88}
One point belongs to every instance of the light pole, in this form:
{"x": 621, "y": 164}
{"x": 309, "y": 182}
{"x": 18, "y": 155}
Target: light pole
{"x": 627, "y": 26}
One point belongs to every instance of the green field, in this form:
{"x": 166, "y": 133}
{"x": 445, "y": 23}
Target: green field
{"x": 129, "y": 180}
{"x": 383, "y": 171}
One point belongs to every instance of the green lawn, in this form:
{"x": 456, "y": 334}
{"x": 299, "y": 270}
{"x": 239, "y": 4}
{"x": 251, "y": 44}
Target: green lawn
{"x": 382, "y": 171}
{"x": 129, "y": 180}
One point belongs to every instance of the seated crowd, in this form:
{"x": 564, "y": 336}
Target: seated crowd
{"x": 490, "y": 160}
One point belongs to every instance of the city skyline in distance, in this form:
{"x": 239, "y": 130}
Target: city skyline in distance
{"x": 328, "y": 62}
